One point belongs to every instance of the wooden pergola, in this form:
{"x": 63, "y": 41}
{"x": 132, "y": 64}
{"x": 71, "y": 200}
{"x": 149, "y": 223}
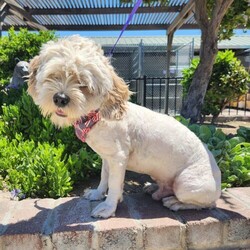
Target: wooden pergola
{"x": 90, "y": 15}
{"x": 95, "y": 15}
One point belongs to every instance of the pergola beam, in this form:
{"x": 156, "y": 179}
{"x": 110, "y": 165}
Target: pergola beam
{"x": 102, "y": 11}
{"x": 105, "y": 27}
{"x": 182, "y": 16}
{"x": 17, "y": 10}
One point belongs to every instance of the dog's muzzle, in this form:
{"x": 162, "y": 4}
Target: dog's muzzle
{"x": 61, "y": 100}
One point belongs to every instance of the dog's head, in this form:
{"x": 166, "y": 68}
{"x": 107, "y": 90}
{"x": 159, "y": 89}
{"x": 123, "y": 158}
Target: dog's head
{"x": 71, "y": 77}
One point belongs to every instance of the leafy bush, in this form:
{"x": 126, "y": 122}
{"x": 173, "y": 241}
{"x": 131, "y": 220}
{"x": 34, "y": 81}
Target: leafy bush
{"x": 244, "y": 132}
{"x": 37, "y": 170}
{"x": 228, "y": 82}
{"x": 36, "y": 159}
{"x": 22, "y": 45}
{"x": 231, "y": 154}
{"x": 41, "y": 147}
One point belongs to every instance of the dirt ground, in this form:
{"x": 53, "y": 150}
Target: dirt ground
{"x": 134, "y": 182}
{"x": 232, "y": 126}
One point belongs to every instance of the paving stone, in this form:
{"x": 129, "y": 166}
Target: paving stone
{"x": 7, "y": 206}
{"x": 72, "y": 214}
{"x": 29, "y": 216}
{"x": 71, "y": 224}
{"x": 203, "y": 228}
{"x": 243, "y": 194}
{"x": 161, "y": 230}
{"x": 119, "y": 232}
{"x": 21, "y": 242}
{"x": 236, "y": 219}
{"x": 72, "y": 240}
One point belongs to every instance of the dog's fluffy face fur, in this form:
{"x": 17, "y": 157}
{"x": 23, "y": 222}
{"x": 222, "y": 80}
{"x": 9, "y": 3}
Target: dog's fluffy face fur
{"x": 75, "y": 68}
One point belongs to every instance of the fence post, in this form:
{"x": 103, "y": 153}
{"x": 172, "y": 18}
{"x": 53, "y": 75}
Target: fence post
{"x": 144, "y": 92}
{"x": 140, "y": 59}
{"x": 166, "y": 95}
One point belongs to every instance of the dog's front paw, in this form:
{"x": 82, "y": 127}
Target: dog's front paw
{"x": 104, "y": 210}
{"x": 93, "y": 195}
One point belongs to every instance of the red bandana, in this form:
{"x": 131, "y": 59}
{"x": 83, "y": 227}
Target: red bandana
{"x": 85, "y": 123}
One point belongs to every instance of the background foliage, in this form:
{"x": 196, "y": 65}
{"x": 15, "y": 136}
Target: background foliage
{"x": 22, "y": 45}
{"x": 237, "y": 16}
{"x": 232, "y": 154}
{"x": 35, "y": 156}
{"x": 229, "y": 81}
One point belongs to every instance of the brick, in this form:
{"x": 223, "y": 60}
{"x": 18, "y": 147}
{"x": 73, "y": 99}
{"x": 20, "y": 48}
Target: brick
{"x": 72, "y": 214}
{"x": 4, "y": 196}
{"x": 236, "y": 220}
{"x": 71, "y": 224}
{"x": 128, "y": 237}
{"x": 21, "y": 242}
{"x": 72, "y": 240}
{"x": 163, "y": 234}
{"x": 120, "y": 232}
{"x": 161, "y": 230}
{"x": 238, "y": 232}
{"x": 29, "y": 216}
{"x": 243, "y": 194}
{"x": 6, "y": 209}
{"x": 203, "y": 229}
{"x": 232, "y": 207}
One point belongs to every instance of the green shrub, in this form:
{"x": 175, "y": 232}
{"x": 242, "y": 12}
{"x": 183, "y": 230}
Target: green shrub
{"x": 244, "y": 132}
{"x": 228, "y": 82}
{"x": 22, "y": 45}
{"x": 38, "y": 134}
{"x": 37, "y": 170}
{"x": 231, "y": 154}
{"x": 35, "y": 156}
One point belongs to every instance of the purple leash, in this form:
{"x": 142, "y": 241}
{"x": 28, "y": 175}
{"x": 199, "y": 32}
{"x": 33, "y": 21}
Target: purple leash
{"x": 137, "y": 5}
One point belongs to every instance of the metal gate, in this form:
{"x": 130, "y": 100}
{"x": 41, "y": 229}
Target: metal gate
{"x": 160, "y": 94}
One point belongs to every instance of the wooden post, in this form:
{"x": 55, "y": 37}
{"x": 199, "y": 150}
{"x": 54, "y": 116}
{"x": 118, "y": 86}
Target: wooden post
{"x": 169, "y": 48}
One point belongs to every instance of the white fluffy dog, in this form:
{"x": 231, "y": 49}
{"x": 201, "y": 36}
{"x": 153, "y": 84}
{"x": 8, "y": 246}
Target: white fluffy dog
{"x": 74, "y": 84}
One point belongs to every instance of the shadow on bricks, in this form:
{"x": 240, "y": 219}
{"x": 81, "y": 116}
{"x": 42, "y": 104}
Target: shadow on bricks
{"x": 139, "y": 219}
{"x": 47, "y": 216}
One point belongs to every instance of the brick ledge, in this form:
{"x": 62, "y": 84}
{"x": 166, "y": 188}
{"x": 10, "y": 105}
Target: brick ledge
{"x": 140, "y": 223}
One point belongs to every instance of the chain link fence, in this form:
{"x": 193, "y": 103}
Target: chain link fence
{"x": 144, "y": 67}
{"x": 136, "y": 60}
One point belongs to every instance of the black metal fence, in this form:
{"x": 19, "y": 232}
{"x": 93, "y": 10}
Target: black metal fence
{"x": 161, "y": 94}
{"x": 164, "y": 95}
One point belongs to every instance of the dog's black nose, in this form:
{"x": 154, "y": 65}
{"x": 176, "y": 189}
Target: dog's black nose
{"x": 61, "y": 100}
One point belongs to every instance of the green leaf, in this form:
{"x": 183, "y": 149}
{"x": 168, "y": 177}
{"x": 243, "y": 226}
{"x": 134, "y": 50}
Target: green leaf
{"x": 236, "y": 140}
{"x": 205, "y": 133}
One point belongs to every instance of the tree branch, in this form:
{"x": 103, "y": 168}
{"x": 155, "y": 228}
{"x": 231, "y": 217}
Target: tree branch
{"x": 219, "y": 11}
{"x": 201, "y": 15}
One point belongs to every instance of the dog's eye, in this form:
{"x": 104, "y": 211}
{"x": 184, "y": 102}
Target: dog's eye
{"x": 56, "y": 79}
{"x": 82, "y": 85}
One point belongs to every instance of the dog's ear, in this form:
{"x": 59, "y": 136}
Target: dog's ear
{"x": 33, "y": 67}
{"x": 114, "y": 105}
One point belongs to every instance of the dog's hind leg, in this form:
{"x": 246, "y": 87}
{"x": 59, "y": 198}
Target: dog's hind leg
{"x": 159, "y": 190}
{"x": 174, "y": 204}
{"x": 150, "y": 188}
{"x": 196, "y": 187}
